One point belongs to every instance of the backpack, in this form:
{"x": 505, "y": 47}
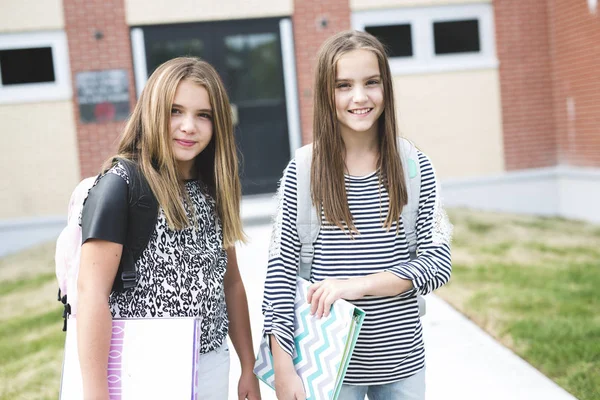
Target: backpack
{"x": 142, "y": 215}
{"x": 308, "y": 223}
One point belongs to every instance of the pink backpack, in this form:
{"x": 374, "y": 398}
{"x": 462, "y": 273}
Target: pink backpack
{"x": 68, "y": 247}
{"x": 141, "y": 221}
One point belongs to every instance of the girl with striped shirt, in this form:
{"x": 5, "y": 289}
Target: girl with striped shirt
{"x": 361, "y": 253}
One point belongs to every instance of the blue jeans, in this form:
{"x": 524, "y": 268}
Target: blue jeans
{"x": 411, "y": 388}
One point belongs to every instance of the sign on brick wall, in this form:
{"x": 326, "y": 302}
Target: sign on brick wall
{"x": 103, "y": 96}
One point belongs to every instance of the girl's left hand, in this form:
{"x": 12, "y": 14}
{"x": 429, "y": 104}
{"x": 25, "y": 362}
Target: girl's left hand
{"x": 321, "y": 295}
{"x": 248, "y": 387}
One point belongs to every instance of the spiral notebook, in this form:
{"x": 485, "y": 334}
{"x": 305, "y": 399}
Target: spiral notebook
{"x": 323, "y": 347}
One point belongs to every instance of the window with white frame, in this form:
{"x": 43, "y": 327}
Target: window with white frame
{"x": 433, "y": 39}
{"x": 34, "y": 67}
{"x": 397, "y": 38}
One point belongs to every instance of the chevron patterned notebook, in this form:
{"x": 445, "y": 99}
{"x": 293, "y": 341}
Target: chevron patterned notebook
{"x": 323, "y": 347}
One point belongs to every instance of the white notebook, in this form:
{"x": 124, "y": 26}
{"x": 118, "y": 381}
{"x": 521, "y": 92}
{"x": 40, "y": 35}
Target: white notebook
{"x": 148, "y": 359}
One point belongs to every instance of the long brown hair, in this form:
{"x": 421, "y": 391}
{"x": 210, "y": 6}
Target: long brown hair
{"x": 146, "y": 140}
{"x": 328, "y": 165}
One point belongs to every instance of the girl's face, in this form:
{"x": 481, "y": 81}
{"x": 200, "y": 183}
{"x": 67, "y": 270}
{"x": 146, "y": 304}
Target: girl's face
{"x": 358, "y": 92}
{"x": 191, "y": 126}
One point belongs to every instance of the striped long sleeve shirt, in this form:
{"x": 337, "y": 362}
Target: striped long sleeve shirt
{"x": 390, "y": 343}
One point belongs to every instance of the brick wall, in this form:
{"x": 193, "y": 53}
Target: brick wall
{"x": 550, "y": 82}
{"x": 314, "y": 21}
{"x": 526, "y": 83}
{"x": 575, "y": 34}
{"x": 97, "y": 141}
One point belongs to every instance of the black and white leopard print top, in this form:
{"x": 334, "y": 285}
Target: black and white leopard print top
{"x": 181, "y": 273}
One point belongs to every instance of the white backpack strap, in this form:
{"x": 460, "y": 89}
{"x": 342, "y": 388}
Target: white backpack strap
{"x": 412, "y": 176}
{"x": 308, "y": 223}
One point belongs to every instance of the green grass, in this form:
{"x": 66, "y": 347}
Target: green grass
{"x": 534, "y": 284}
{"x": 31, "y": 336}
{"x": 26, "y": 283}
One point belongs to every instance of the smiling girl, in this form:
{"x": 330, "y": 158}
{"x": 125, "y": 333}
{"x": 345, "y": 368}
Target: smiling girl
{"x": 361, "y": 252}
{"x": 180, "y": 137}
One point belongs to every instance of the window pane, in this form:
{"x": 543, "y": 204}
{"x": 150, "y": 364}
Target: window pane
{"x": 397, "y": 39}
{"x": 20, "y": 66}
{"x": 253, "y": 65}
{"x": 161, "y": 51}
{"x": 456, "y": 37}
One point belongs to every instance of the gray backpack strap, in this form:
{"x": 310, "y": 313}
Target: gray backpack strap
{"x": 410, "y": 212}
{"x": 412, "y": 175}
{"x": 308, "y": 223}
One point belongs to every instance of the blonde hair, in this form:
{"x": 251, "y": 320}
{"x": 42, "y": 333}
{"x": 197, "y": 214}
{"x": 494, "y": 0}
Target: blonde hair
{"x": 146, "y": 140}
{"x": 328, "y": 165}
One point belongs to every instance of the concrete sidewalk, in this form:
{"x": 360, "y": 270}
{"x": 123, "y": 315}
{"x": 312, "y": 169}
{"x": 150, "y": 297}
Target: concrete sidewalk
{"x": 20, "y": 234}
{"x": 463, "y": 362}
